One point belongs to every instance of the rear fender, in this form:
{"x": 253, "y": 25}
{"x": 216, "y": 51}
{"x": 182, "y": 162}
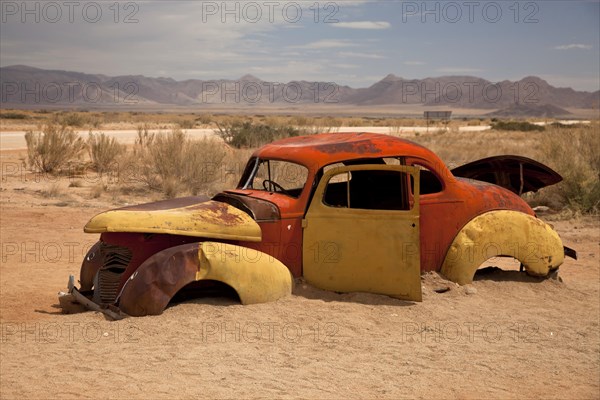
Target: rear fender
{"x": 503, "y": 233}
{"x": 255, "y": 276}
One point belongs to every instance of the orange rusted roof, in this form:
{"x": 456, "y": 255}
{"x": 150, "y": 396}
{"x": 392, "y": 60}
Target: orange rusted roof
{"x": 316, "y": 151}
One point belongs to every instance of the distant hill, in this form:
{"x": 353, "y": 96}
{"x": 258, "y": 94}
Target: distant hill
{"x": 530, "y": 110}
{"x": 29, "y": 87}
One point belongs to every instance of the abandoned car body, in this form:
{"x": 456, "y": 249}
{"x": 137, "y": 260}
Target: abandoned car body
{"x": 348, "y": 212}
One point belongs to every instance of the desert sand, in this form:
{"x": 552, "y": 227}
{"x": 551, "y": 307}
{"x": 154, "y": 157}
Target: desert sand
{"x": 505, "y": 336}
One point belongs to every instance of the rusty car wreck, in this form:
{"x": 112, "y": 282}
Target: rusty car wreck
{"x": 346, "y": 211}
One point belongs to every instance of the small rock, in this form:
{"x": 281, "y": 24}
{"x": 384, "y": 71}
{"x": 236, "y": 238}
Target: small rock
{"x": 470, "y": 290}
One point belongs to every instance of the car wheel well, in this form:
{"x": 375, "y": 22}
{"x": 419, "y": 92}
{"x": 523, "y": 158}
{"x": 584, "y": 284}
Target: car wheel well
{"x": 503, "y": 233}
{"x": 205, "y": 289}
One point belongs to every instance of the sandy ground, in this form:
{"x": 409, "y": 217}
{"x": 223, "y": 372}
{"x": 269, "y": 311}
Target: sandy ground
{"x": 506, "y": 336}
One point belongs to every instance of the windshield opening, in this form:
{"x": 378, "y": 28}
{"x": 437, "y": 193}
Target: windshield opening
{"x": 275, "y": 176}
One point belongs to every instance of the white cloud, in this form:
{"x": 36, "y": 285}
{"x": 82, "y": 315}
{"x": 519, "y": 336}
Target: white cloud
{"x": 359, "y": 55}
{"x": 574, "y": 46}
{"x": 326, "y": 44}
{"x": 413, "y": 63}
{"x": 363, "y": 25}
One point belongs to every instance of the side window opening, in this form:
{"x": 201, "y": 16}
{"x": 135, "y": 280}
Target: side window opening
{"x": 429, "y": 182}
{"x": 368, "y": 190}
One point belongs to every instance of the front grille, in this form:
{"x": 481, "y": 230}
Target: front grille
{"x": 106, "y": 283}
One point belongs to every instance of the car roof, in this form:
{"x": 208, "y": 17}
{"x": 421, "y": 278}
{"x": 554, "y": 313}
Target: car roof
{"x": 316, "y": 151}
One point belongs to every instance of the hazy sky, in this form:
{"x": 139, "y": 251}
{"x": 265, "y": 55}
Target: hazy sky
{"x": 347, "y": 42}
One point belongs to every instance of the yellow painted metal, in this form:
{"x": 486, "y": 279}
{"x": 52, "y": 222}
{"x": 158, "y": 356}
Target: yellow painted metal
{"x": 357, "y": 250}
{"x": 210, "y": 219}
{"x": 503, "y": 233}
{"x": 256, "y": 277}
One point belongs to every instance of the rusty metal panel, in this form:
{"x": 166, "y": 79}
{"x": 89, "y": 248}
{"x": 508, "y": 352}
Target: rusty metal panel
{"x": 210, "y": 219}
{"x": 150, "y": 288}
{"x": 515, "y": 173}
{"x": 260, "y": 210}
{"x": 316, "y": 151}
{"x": 255, "y": 276}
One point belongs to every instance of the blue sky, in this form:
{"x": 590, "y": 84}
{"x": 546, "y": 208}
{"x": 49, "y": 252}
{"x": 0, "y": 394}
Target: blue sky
{"x": 352, "y": 43}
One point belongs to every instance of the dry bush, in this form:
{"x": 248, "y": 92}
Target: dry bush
{"x": 53, "y": 147}
{"x": 53, "y": 191}
{"x": 74, "y": 119}
{"x": 186, "y": 124}
{"x": 205, "y": 119}
{"x": 97, "y": 190}
{"x": 104, "y": 152}
{"x": 172, "y": 163}
{"x": 575, "y": 154}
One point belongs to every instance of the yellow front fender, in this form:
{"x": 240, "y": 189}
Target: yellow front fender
{"x": 503, "y": 233}
{"x": 255, "y": 276}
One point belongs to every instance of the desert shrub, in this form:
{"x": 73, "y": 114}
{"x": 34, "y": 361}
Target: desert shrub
{"x": 566, "y": 126}
{"x": 248, "y": 135}
{"x": 53, "y": 191}
{"x": 172, "y": 163}
{"x": 205, "y": 119}
{"x": 72, "y": 119}
{"x": 13, "y": 115}
{"x": 53, "y": 147}
{"x": 575, "y": 154}
{"x": 144, "y": 137}
{"x": 522, "y": 126}
{"x": 104, "y": 151}
{"x": 301, "y": 120}
{"x": 186, "y": 124}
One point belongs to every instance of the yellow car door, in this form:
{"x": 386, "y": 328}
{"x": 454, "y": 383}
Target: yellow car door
{"x": 361, "y": 231}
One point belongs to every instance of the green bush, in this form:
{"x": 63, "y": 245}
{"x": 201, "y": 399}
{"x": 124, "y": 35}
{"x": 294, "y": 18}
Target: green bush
{"x": 53, "y": 147}
{"x": 13, "y": 115}
{"x": 522, "y": 126}
{"x": 247, "y": 135}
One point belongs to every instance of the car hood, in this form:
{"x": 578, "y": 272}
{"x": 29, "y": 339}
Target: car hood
{"x": 189, "y": 216}
{"x": 515, "y": 173}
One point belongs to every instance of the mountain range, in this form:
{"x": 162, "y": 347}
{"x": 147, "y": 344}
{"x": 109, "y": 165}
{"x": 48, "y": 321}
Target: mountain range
{"x": 29, "y": 87}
